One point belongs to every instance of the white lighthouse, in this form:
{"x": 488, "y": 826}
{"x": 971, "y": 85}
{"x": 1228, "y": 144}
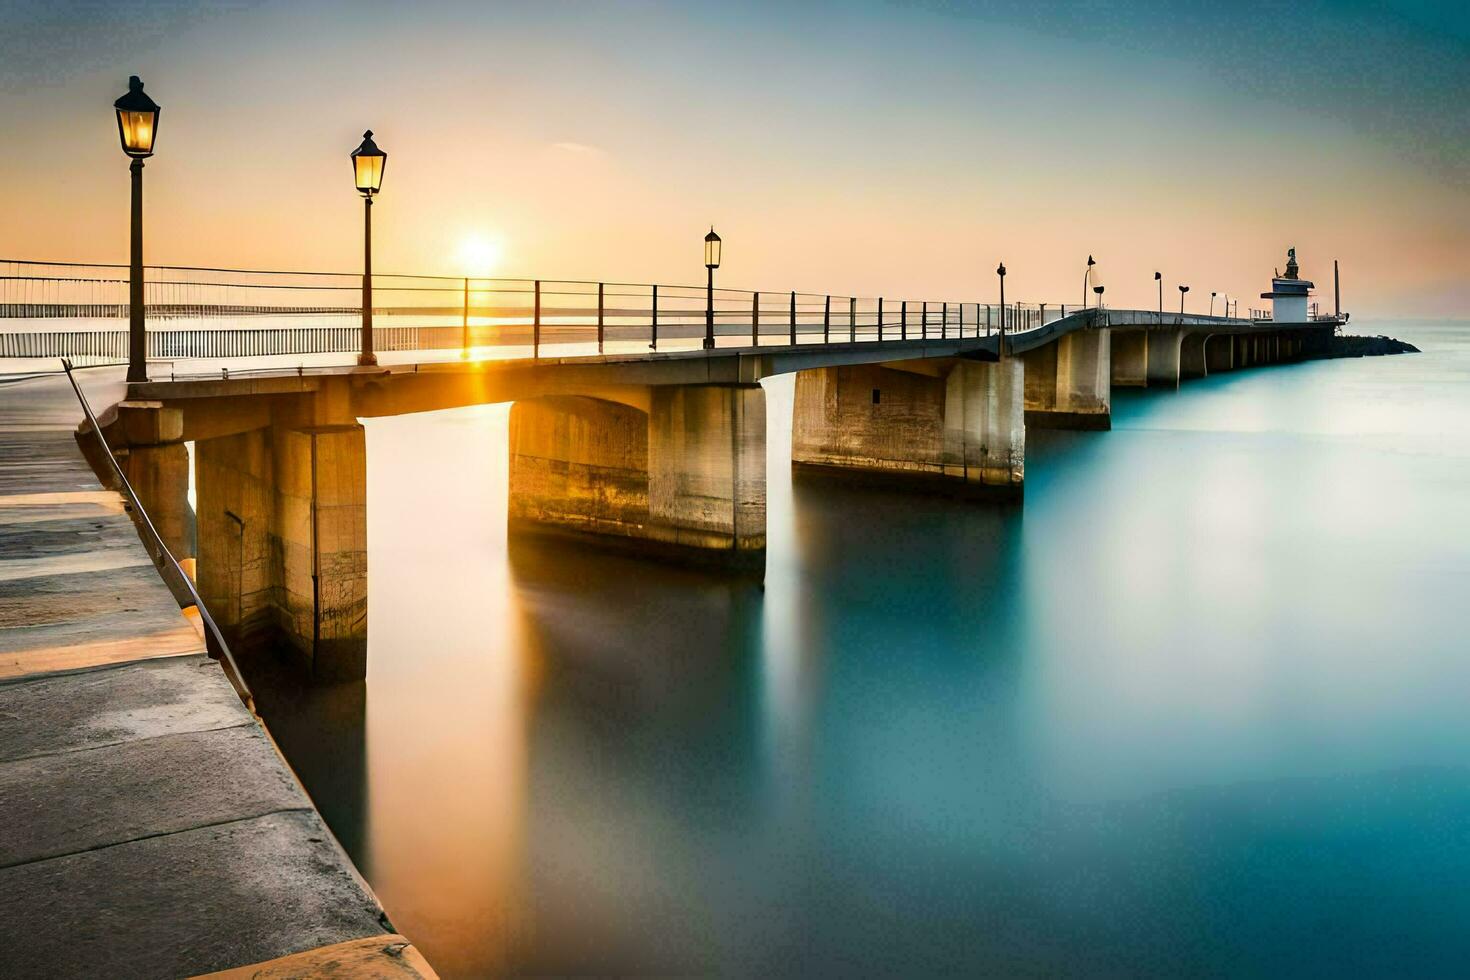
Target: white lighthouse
{"x": 1289, "y": 293}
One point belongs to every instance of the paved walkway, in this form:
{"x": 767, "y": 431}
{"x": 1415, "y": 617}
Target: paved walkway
{"x": 150, "y": 827}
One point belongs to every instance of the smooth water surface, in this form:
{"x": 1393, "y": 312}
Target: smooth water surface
{"x": 1199, "y": 706}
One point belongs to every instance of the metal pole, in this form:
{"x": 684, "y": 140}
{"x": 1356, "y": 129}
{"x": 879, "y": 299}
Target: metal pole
{"x": 464, "y": 334}
{"x": 851, "y": 319}
{"x": 1336, "y": 292}
{"x": 903, "y": 318}
{"x": 755, "y": 320}
{"x": 600, "y": 328}
{"x": 367, "y": 357}
{"x": 1001, "y": 343}
{"x": 709, "y": 310}
{"x": 826, "y": 320}
{"x": 924, "y": 322}
{"x": 536, "y": 324}
{"x": 653, "y": 344}
{"x": 880, "y": 318}
{"x": 793, "y": 318}
{"x": 137, "y": 331}
{"x": 944, "y": 322}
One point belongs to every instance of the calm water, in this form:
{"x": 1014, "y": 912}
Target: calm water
{"x": 1200, "y": 706}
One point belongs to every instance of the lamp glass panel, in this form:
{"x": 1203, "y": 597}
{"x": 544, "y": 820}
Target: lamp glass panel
{"x": 138, "y": 129}
{"x": 369, "y": 171}
{"x": 712, "y": 253}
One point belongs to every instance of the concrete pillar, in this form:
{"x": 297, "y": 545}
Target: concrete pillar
{"x": 961, "y": 427}
{"x": 1069, "y": 382}
{"x": 1219, "y": 353}
{"x": 321, "y": 533}
{"x": 283, "y": 542}
{"x": 1163, "y": 357}
{"x": 1129, "y": 356}
{"x": 683, "y": 476}
{"x": 1192, "y": 362}
{"x": 152, "y": 455}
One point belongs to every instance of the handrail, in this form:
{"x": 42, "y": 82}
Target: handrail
{"x": 164, "y": 558}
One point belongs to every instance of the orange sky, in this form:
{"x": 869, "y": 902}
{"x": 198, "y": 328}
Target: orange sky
{"x": 875, "y": 149}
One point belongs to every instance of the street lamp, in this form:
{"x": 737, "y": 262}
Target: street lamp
{"x": 1212, "y": 302}
{"x": 1099, "y": 291}
{"x": 1182, "y": 291}
{"x": 1086, "y": 279}
{"x": 711, "y": 263}
{"x": 1000, "y": 270}
{"x": 367, "y": 170}
{"x": 1159, "y": 278}
{"x": 137, "y": 126}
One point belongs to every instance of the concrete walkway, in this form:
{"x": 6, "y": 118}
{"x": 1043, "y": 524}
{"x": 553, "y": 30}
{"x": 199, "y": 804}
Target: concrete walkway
{"x": 150, "y": 827}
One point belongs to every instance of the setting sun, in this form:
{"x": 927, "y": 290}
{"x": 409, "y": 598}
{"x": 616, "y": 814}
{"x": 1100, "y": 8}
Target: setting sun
{"x": 479, "y": 254}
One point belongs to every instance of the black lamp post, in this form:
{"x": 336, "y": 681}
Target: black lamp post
{"x": 1000, "y": 270}
{"x": 1182, "y": 291}
{"x": 711, "y": 263}
{"x": 1086, "y": 279}
{"x": 1212, "y": 302}
{"x": 1159, "y": 278}
{"x": 1099, "y": 291}
{"x": 368, "y": 163}
{"x": 137, "y": 125}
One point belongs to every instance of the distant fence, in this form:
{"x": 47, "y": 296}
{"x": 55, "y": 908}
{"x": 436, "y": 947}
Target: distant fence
{"x": 55, "y": 309}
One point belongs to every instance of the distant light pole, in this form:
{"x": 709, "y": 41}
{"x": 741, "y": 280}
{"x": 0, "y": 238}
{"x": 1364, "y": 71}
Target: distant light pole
{"x": 1000, "y": 270}
{"x": 1182, "y": 291}
{"x": 368, "y": 163}
{"x": 1099, "y": 291}
{"x": 1212, "y": 302}
{"x": 137, "y": 125}
{"x": 1159, "y": 278}
{"x": 711, "y": 263}
{"x": 1086, "y": 280}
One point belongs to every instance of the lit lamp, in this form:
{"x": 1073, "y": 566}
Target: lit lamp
{"x": 711, "y": 263}
{"x": 137, "y": 126}
{"x": 1182, "y": 291}
{"x": 367, "y": 168}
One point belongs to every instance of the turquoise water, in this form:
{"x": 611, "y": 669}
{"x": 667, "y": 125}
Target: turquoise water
{"x": 1200, "y": 706}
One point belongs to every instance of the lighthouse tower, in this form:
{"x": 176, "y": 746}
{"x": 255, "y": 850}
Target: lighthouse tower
{"x": 1288, "y": 294}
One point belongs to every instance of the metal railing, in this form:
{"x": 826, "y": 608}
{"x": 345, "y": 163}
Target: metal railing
{"x": 50, "y": 309}
{"x": 177, "y": 579}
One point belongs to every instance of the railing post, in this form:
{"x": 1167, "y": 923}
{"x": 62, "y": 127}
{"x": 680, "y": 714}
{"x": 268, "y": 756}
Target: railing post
{"x": 880, "y": 319}
{"x": 852, "y": 319}
{"x": 793, "y": 318}
{"x": 903, "y": 320}
{"x": 465, "y": 325}
{"x": 924, "y": 323}
{"x": 962, "y": 320}
{"x": 944, "y": 322}
{"x": 600, "y": 328}
{"x": 755, "y": 319}
{"x": 987, "y": 319}
{"x": 536, "y": 324}
{"x": 653, "y": 344}
{"x": 826, "y": 319}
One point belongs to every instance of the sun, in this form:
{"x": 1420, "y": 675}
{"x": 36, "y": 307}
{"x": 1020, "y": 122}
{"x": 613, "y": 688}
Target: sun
{"x": 479, "y": 254}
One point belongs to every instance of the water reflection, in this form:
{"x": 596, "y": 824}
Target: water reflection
{"x": 1196, "y": 708}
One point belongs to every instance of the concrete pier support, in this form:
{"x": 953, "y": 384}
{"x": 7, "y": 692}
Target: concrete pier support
{"x": 283, "y": 541}
{"x": 1163, "y": 358}
{"x": 1129, "y": 357}
{"x": 156, "y": 463}
{"x": 1219, "y": 353}
{"x": 681, "y": 471}
{"x": 955, "y": 424}
{"x": 1069, "y": 383}
{"x": 1192, "y": 362}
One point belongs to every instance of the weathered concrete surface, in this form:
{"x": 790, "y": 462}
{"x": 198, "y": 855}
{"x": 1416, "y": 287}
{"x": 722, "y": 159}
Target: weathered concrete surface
{"x": 678, "y": 470}
{"x": 957, "y": 421}
{"x": 150, "y": 829}
{"x": 282, "y": 520}
{"x": 1163, "y": 358}
{"x": 1130, "y": 358}
{"x": 1192, "y": 356}
{"x": 1069, "y": 383}
{"x": 1219, "y": 353}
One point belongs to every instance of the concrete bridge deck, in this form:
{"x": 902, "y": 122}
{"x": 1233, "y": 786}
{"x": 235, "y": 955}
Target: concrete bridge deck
{"x": 151, "y": 828}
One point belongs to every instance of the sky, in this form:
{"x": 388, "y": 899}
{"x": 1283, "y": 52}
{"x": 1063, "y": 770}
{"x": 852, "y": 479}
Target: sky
{"x": 868, "y": 147}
